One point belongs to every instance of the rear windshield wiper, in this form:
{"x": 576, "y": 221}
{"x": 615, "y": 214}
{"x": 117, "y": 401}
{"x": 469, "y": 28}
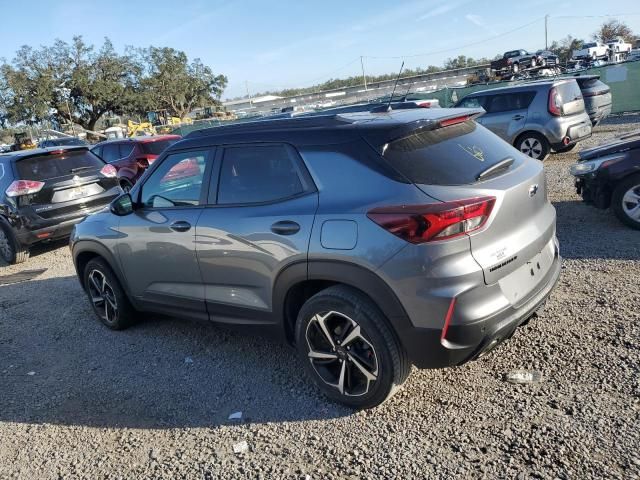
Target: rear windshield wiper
{"x": 495, "y": 168}
{"x": 79, "y": 169}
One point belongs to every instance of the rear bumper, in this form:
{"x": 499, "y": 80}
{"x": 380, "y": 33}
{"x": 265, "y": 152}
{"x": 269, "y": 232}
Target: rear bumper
{"x": 31, "y": 229}
{"x": 465, "y": 342}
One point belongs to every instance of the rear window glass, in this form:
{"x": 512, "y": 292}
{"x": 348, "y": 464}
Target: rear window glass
{"x": 569, "y": 91}
{"x": 51, "y": 166}
{"x": 589, "y": 45}
{"x": 156, "y": 148}
{"x": 453, "y": 155}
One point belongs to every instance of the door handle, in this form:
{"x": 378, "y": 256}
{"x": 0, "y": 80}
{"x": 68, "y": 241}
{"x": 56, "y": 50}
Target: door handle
{"x": 285, "y": 227}
{"x": 518, "y": 117}
{"x": 180, "y": 226}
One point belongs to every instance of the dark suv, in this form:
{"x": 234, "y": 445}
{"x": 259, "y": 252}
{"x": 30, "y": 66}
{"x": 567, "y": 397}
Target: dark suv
{"x": 44, "y": 192}
{"x": 371, "y": 241}
{"x": 132, "y": 156}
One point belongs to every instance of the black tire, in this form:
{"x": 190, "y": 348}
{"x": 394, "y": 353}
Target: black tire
{"x": 113, "y": 309}
{"x": 534, "y": 145}
{"x": 566, "y": 149}
{"x": 11, "y": 250}
{"x": 620, "y": 203}
{"x": 376, "y": 348}
{"x": 126, "y": 185}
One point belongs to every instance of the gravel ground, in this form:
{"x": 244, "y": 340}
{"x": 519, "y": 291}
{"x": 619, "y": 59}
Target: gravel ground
{"x": 80, "y": 401}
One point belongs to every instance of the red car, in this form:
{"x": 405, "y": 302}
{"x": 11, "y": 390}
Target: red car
{"x": 132, "y": 156}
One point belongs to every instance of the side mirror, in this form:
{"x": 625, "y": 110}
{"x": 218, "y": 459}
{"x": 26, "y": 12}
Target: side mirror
{"x": 121, "y": 206}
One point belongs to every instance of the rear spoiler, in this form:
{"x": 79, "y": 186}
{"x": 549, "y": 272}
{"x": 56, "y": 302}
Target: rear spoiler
{"x": 459, "y": 116}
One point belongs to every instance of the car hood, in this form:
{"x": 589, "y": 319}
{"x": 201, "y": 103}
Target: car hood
{"x": 623, "y": 143}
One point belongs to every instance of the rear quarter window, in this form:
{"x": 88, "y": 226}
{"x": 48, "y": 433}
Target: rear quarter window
{"x": 44, "y": 167}
{"x": 453, "y": 155}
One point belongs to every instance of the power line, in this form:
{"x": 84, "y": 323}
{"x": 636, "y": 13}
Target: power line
{"x": 450, "y": 49}
{"x": 597, "y": 16}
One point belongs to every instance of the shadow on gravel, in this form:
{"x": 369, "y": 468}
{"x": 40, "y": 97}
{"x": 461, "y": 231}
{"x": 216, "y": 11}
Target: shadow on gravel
{"x": 39, "y": 249}
{"x": 59, "y": 365}
{"x": 586, "y": 232}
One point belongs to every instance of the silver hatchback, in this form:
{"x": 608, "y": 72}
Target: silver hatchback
{"x": 369, "y": 241}
{"x": 534, "y": 117}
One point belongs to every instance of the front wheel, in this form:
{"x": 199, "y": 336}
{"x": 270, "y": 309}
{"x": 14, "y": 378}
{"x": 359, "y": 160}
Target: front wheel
{"x": 534, "y": 145}
{"x": 626, "y": 201}
{"x": 515, "y": 68}
{"x": 107, "y": 298}
{"x": 348, "y": 348}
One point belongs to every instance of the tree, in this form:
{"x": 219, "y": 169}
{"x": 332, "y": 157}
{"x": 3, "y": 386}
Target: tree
{"x": 172, "y": 83}
{"x": 565, "y": 47}
{"x": 612, "y": 29}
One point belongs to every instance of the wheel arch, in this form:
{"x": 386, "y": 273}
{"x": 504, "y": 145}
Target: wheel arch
{"x": 299, "y": 282}
{"x": 86, "y": 250}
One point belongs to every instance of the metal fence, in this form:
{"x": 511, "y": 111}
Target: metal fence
{"x": 623, "y": 79}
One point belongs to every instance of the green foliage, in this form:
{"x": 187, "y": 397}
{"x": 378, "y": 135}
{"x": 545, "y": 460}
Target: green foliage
{"x": 612, "y": 29}
{"x": 564, "y": 47}
{"x": 76, "y": 82}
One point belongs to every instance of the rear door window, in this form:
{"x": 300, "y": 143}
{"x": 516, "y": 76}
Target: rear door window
{"x": 257, "y": 174}
{"x": 472, "y": 102}
{"x": 111, "y": 152}
{"x": 44, "y": 167}
{"x": 126, "y": 149}
{"x": 507, "y": 102}
{"x": 453, "y": 155}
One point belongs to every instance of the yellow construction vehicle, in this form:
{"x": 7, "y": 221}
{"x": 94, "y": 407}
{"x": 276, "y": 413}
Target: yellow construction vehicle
{"x": 136, "y": 129}
{"x": 23, "y": 141}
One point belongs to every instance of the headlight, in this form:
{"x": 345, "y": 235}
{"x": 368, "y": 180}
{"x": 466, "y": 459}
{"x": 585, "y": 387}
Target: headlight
{"x": 582, "y": 168}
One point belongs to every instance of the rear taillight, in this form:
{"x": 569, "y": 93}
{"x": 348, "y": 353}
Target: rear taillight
{"x": 109, "y": 171}
{"x": 433, "y": 222}
{"x": 554, "y": 102}
{"x": 23, "y": 187}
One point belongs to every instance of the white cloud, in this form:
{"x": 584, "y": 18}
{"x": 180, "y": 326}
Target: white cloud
{"x": 478, "y": 21}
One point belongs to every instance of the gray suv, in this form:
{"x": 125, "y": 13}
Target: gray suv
{"x": 370, "y": 241}
{"x": 534, "y": 117}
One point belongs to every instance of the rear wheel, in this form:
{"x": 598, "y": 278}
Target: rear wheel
{"x": 533, "y": 144}
{"x": 11, "y": 250}
{"x": 107, "y": 298}
{"x": 626, "y": 201}
{"x": 348, "y": 348}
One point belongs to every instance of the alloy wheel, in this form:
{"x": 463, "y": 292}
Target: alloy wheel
{"x": 102, "y": 296}
{"x": 631, "y": 203}
{"x": 531, "y": 147}
{"x": 340, "y": 354}
{"x": 5, "y": 246}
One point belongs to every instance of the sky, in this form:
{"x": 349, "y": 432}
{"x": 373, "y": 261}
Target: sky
{"x": 279, "y": 44}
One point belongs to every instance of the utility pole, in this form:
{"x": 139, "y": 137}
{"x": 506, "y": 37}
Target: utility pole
{"x": 546, "y": 42}
{"x": 364, "y": 77}
{"x": 246, "y": 84}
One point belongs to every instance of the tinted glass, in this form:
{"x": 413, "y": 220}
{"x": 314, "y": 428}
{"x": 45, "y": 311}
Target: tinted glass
{"x": 157, "y": 147}
{"x": 111, "y": 152}
{"x": 258, "y": 174}
{"x": 126, "y": 149}
{"x": 63, "y": 141}
{"x": 472, "y": 102}
{"x": 453, "y": 155}
{"x": 176, "y": 182}
{"x": 589, "y": 45}
{"x": 509, "y": 101}
{"x": 51, "y": 166}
